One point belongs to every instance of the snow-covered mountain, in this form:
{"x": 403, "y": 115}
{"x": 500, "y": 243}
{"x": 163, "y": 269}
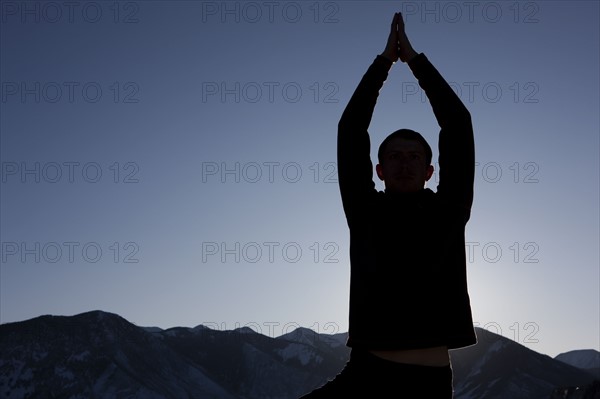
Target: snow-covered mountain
{"x": 95, "y": 355}
{"x": 498, "y": 367}
{"x": 102, "y": 355}
{"x": 585, "y": 359}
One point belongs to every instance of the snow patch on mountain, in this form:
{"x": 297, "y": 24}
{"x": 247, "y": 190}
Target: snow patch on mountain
{"x": 80, "y": 357}
{"x": 37, "y": 356}
{"x": 304, "y": 354}
{"x": 64, "y": 373}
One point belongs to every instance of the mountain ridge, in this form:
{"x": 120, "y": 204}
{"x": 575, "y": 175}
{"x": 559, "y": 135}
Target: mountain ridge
{"x": 101, "y": 354}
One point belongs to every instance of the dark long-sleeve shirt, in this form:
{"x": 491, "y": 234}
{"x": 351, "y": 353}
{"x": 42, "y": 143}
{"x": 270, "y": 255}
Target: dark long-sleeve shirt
{"x": 408, "y": 284}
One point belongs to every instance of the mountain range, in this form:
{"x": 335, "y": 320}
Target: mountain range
{"x": 102, "y": 355}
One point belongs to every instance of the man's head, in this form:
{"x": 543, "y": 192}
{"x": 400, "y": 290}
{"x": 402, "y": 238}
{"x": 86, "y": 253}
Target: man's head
{"x": 404, "y": 161}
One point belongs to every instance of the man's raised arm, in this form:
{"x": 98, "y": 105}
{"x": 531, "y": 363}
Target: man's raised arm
{"x": 355, "y": 170}
{"x": 456, "y": 143}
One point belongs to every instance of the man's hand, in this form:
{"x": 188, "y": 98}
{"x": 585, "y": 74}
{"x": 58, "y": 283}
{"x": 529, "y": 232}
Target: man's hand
{"x": 398, "y": 46}
{"x": 405, "y": 51}
{"x": 391, "y": 48}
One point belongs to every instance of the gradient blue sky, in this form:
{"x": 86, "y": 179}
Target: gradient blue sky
{"x": 164, "y": 98}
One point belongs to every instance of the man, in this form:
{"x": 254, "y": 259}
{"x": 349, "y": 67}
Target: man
{"x": 408, "y": 288}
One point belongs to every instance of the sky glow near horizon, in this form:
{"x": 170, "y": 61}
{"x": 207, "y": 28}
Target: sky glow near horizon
{"x": 174, "y": 162}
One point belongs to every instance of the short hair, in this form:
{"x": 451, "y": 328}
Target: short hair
{"x": 408, "y": 135}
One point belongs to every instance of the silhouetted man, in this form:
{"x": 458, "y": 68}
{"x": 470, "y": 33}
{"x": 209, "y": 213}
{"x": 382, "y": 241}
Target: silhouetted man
{"x": 408, "y": 287}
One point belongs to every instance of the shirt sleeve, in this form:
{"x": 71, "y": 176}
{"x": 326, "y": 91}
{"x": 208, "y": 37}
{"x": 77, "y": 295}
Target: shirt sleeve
{"x": 355, "y": 170}
{"x": 456, "y": 143}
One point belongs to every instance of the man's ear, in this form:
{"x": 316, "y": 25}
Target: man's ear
{"x": 429, "y": 172}
{"x": 379, "y": 171}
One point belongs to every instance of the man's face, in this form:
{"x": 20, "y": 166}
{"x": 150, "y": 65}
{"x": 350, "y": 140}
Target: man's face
{"x": 404, "y": 168}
